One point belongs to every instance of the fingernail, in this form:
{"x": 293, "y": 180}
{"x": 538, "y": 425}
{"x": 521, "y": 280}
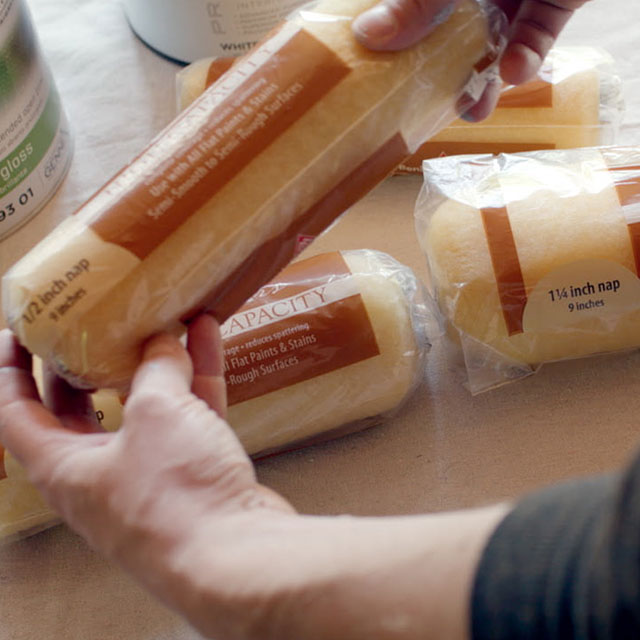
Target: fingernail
{"x": 468, "y": 117}
{"x": 378, "y": 25}
{"x": 160, "y": 345}
{"x": 444, "y": 14}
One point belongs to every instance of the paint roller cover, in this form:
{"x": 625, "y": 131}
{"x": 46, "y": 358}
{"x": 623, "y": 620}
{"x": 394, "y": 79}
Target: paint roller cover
{"x": 334, "y": 344}
{"x": 274, "y": 151}
{"x": 534, "y": 256}
{"x": 575, "y": 101}
{"x": 356, "y": 358}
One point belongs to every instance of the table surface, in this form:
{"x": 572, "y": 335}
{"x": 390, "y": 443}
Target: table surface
{"x": 444, "y": 450}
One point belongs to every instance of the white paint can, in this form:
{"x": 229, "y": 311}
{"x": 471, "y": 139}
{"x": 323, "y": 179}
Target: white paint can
{"x": 35, "y": 141}
{"x": 189, "y": 30}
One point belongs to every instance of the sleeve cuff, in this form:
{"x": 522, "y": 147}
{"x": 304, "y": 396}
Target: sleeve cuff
{"x": 533, "y": 577}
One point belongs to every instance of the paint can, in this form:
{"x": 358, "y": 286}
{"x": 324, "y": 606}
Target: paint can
{"x": 35, "y": 140}
{"x": 188, "y": 31}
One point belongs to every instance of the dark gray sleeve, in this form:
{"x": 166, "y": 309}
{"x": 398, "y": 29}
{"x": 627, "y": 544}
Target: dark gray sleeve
{"x": 564, "y": 565}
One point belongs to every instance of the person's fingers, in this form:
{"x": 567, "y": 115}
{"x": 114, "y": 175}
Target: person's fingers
{"x": 486, "y": 104}
{"x": 73, "y": 407}
{"x": 397, "y": 24}
{"x": 16, "y": 379}
{"x": 204, "y": 344}
{"x": 27, "y": 428}
{"x": 165, "y": 367}
{"x": 534, "y": 27}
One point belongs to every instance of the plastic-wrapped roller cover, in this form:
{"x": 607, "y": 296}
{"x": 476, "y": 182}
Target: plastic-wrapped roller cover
{"x": 574, "y": 101}
{"x": 268, "y": 156}
{"x": 534, "y": 257}
{"x": 333, "y": 344}
{"x": 23, "y": 511}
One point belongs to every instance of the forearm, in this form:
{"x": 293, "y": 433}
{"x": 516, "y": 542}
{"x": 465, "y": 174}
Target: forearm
{"x": 174, "y": 500}
{"x": 405, "y": 578}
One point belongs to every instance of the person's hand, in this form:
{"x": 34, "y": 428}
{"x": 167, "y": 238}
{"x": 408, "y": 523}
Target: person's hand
{"x": 534, "y": 26}
{"x": 173, "y": 498}
{"x": 134, "y": 494}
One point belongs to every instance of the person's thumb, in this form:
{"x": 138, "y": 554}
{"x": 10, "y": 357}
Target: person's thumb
{"x": 397, "y": 24}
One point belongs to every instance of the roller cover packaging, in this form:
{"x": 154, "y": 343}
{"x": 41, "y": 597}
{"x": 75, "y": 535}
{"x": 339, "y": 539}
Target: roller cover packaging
{"x": 574, "y": 101}
{"x": 534, "y": 257}
{"x": 267, "y": 157}
{"x": 23, "y": 511}
{"x": 333, "y": 344}
{"x": 348, "y": 349}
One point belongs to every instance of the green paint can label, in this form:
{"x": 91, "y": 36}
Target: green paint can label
{"x": 35, "y": 140}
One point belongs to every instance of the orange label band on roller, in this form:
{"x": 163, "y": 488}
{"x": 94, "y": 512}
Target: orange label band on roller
{"x": 626, "y": 179}
{"x": 231, "y": 123}
{"x": 307, "y": 325}
{"x": 506, "y": 267}
{"x": 3, "y": 471}
{"x": 634, "y": 235}
{"x": 530, "y": 95}
{"x": 217, "y": 68}
{"x": 274, "y": 254}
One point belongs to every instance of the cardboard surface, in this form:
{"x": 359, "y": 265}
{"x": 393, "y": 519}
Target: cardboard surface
{"x": 444, "y": 450}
